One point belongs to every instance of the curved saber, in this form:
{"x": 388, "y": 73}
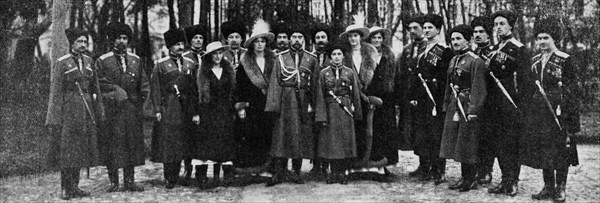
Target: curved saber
{"x": 548, "y": 104}
{"x": 87, "y": 106}
{"x": 459, "y": 104}
{"x": 427, "y": 89}
{"x": 339, "y": 101}
{"x": 503, "y": 89}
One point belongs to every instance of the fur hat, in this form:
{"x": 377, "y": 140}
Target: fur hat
{"x": 434, "y": 19}
{"x": 333, "y": 46}
{"x": 485, "y": 22}
{"x": 280, "y": 27}
{"x": 260, "y": 30}
{"x": 296, "y": 27}
{"x": 509, "y": 15}
{"x": 174, "y": 36}
{"x": 194, "y": 30}
{"x": 232, "y": 27}
{"x": 418, "y": 18}
{"x": 321, "y": 27}
{"x": 465, "y": 30}
{"x": 74, "y": 33}
{"x": 550, "y": 26}
{"x": 114, "y": 30}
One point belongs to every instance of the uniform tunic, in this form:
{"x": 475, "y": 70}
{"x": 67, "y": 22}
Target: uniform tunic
{"x": 407, "y": 63}
{"x": 460, "y": 140}
{"x": 168, "y": 139}
{"x": 121, "y": 143}
{"x": 432, "y": 65}
{"x": 253, "y": 136}
{"x": 337, "y": 140}
{"x": 544, "y": 145}
{"x": 234, "y": 56}
{"x": 76, "y": 146}
{"x": 289, "y": 96}
{"x": 217, "y": 141}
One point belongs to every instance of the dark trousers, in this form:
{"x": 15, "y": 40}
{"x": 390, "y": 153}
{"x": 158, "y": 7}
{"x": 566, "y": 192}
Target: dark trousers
{"x": 187, "y": 165}
{"x": 486, "y": 155}
{"x": 553, "y": 179}
{"x": 468, "y": 171}
{"x": 69, "y": 178}
{"x": 171, "y": 171}
{"x": 128, "y": 174}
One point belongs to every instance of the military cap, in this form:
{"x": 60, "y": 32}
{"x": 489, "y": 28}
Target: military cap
{"x": 117, "y": 29}
{"x": 233, "y": 27}
{"x": 485, "y": 22}
{"x": 434, "y": 19}
{"x": 550, "y": 26}
{"x": 510, "y": 16}
{"x": 74, "y": 33}
{"x": 174, "y": 36}
{"x": 465, "y": 30}
{"x": 194, "y": 30}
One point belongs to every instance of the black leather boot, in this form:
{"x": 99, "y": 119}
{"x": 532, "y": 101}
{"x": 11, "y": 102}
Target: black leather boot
{"x": 439, "y": 175}
{"x": 500, "y": 188}
{"x": 76, "y": 191}
{"x": 461, "y": 182}
{"x": 187, "y": 165}
{"x": 470, "y": 180}
{"x": 297, "y": 166}
{"x": 549, "y": 186}
{"x": 129, "y": 180}
{"x": 201, "y": 177}
{"x": 279, "y": 169}
{"x": 66, "y": 186}
{"x": 561, "y": 185}
{"x": 512, "y": 188}
{"x": 228, "y": 175}
{"x": 113, "y": 176}
{"x": 420, "y": 168}
{"x": 485, "y": 178}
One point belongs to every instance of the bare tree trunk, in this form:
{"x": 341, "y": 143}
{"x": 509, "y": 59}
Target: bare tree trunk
{"x": 145, "y": 45}
{"x": 183, "y": 7}
{"x": 216, "y": 20}
{"x": 430, "y": 8}
{"x": 60, "y": 20}
{"x": 338, "y": 16}
{"x": 205, "y": 17}
{"x": 462, "y": 11}
{"x": 373, "y": 14}
{"x": 390, "y": 14}
{"x": 417, "y": 6}
{"x": 172, "y": 21}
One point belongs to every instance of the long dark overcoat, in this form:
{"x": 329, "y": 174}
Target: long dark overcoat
{"x": 121, "y": 140}
{"x": 544, "y": 146}
{"x": 289, "y": 97}
{"x": 460, "y": 139}
{"x": 217, "y": 140}
{"x": 407, "y": 62}
{"x": 337, "y": 140}
{"x": 168, "y": 138}
{"x": 76, "y": 144}
{"x": 253, "y": 136}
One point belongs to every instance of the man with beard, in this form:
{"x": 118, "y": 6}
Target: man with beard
{"x": 171, "y": 91}
{"x": 282, "y": 40}
{"x": 501, "y": 117}
{"x": 407, "y": 64}
{"x": 426, "y": 97}
{"x": 126, "y": 86}
{"x": 234, "y": 32}
{"x": 289, "y": 96}
{"x": 482, "y": 33}
{"x": 195, "y": 35}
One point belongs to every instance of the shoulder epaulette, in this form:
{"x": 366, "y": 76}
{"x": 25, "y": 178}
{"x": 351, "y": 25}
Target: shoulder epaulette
{"x": 86, "y": 56}
{"x": 310, "y": 53}
{"x": 561, "y": 54}
{"x": 536, "y": 56}
{"x": 189, "y": 59}
{"x": 283, "y": 52}
{"x": 186, "y": 52}
{"x": 326, "y": 68}
{"x": 442, "y": 45}
{"x": 243, "y": 49}
{"x": 516, "y": 42}
{"x": 163, "y": 59}
{"x": 64, "y": 57}
{"x": 473, "y": 54}
{"x": 133, "y": 55}
{"x": 109, "y": 54}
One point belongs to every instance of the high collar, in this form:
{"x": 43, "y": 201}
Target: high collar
{"x": 196, "y": 51}
{"x": 295, "y": 51}
{"x": 336, "y": 66}
{"x": 175, "y": 56}
{"x": 462, "y": 52}
{"x": 75, "y": 54}
{"x": 119, "y": 52}
{"x": 506, "y": 37}
{"x": 483, "y": 45}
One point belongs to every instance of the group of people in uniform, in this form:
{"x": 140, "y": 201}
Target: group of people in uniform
{"x": 254, "y": 104}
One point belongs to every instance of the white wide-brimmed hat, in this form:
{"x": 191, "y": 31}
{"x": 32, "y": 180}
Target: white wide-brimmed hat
{"x": 215, "y": 46}
{"x": 387, "y": 33}
{"x": 364, "y": 32}
{"x": 260, "y": 29}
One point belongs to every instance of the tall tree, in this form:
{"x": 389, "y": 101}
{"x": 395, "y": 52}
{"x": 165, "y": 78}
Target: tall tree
{"x": 172, "y": 20}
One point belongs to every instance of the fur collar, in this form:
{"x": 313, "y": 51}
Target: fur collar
{"x": 203, "y": 79}
{"x": 389, "y": 72}
{"x": 367, "y": 68}
{"x": 260, "y": 80}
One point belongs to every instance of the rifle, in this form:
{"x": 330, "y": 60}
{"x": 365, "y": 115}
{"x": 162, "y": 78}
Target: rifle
{"x": 459, "y": 104}
{"x": 433, "y": 112}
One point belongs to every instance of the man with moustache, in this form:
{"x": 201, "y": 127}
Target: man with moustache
{"x": 195, "y": 36}
{"x": 126, "y": 86}
{"x": 234, "y": 32}
{"x": 171, "y": 91}
{"x": 501, "y": 121}
{"x": 482, "y": 33}
{"x": 282, "y": 38}
{"x": 407, "y": 63}
{"x": 426, "y": 97}
{"x": 290, "y": 97}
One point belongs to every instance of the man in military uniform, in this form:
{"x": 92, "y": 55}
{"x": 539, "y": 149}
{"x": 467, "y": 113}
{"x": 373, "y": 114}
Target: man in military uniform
{"x": 482, "y": 33}
{"x": 172, "y": 91}
{"x": 74, "y": 108}
{"x": 407, "y": 63}
{"x": 289, "y": 95}
{"x": 426, "y": 97}
{"x": 501, "y": 118}
{"x": 282, "y": 38}
{"x": 234, "y": 33}
{"x": 195, "y": 36}
{"x": 125, "y": 86}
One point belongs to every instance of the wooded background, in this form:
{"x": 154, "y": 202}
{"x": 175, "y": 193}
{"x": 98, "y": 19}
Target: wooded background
{"x": 32, "y": 37}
